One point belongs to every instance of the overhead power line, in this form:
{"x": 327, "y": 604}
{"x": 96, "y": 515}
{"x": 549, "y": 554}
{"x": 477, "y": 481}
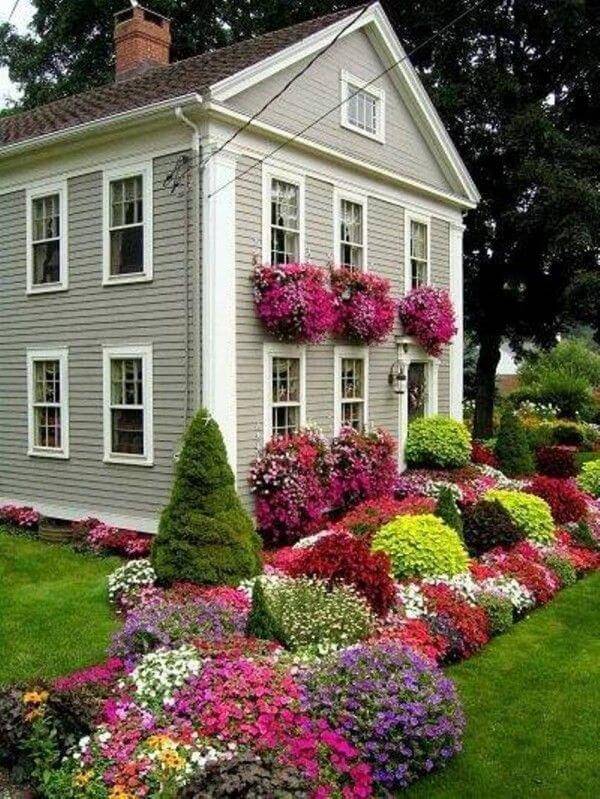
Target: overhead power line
{"x": 14, "y": 8}
{"x": 344, "y": 100}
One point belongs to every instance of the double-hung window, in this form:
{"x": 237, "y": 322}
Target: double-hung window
{"x": 362, "y": 107}
{"x": 284, "y": 381}
{"x": 351, "y": 376}
{"x": 47, "y": 248}
{"x": 128, "y": 405}
{"x": 418, "y": 390}
{"x": 283, "y": 217}
{"x": 417, "y": 252}
{"x": 128, "y": 225}
{"x": 350, "y": 224}
{"x": 48, "y": 402}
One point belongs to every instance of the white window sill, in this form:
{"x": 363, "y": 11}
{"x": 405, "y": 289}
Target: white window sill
{"x": 48, "y": 453}
{"x": 50, "y": 288}
{"x": 378, "y": 137}
{"x": 133, "y": 460}
{"x": 142, "y": 277}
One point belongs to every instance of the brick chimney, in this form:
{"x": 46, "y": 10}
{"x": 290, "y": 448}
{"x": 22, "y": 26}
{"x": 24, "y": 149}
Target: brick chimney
{"x": 142, "y": 41}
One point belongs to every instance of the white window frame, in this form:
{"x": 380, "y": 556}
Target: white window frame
{"x": 411, "y": 216}
{"x": 358, "y": 199}
{"x": 350, "y": 84}
{"x": 271, "y": 351}
{"x": 60, "y": 354}
{"x": 115, "y": 352}
{"x": 275, "y": 173}
{"x": 339, "y": 353}
{"x": 60, "y": 188}
{"x": 145, "y": 169}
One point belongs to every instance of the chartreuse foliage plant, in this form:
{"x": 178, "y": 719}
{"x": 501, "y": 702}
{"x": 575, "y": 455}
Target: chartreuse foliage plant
{"x": 205, "y": 535}
{"x": 589, "y": 479}
{"x": 421, "y": 546}
{"x": 438, "y": 442}
{"x": 512, "y": 446}
{"x": 531, "y": 514}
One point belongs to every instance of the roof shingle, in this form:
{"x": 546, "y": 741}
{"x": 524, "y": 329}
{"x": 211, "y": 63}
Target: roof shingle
{"x": 194, "y": 74}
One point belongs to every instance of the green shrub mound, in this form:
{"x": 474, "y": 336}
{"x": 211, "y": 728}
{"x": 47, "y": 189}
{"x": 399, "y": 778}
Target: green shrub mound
{"x": 512, "y": 446}
{"x": 205, "y": 535}
{"x": 448, "y": 511}
{"x": 499, "y": 611}
{"x": 562, "y": 568}
{"x": 582, "y": 533}
{"x": 589, "y": 479}
{"x": 571, "y": 434}
{"x": 531, "y": 514}
{"x": 421, "y": 546}
{"x": 487, "y": 525}
{"x": 437, "y": 442}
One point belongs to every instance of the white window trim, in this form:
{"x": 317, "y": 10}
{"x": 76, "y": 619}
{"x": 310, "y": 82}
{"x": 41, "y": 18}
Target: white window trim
{"x": 340, "y": 353}
{"x": 145, "y": 169}
{"x": 145, "y": 352}
{"x": 60, "y": 188}
{"x": 411, "y": 216}
{"x": 359, "y": 199}
{"x": 271, "y": 351}
{"x": 275, "y": 173}
{"x": 60, "y": 354}
{"x": 347, "y": 80}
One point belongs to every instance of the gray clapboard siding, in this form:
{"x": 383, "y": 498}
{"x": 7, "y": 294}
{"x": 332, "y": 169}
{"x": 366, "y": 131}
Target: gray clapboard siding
{"x": 405, "y": 151}
{"x": 84, "y": 318}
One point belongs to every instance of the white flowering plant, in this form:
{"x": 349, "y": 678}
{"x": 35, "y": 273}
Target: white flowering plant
{"x": 159, "y": 674}
{"x": 412, "y": 600}
{"x": 131, "y": 576}
{"x": 517, "y": 594}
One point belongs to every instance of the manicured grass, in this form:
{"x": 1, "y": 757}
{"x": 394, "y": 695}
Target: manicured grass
{"x": 54, "y": 612}
{"x": 532, "y": 704}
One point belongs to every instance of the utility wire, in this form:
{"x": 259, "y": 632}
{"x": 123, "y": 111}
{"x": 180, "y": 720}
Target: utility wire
{"x": 292, "y": 80}
{"x": 14, "y": 8}
{"x": 297, "y": 135}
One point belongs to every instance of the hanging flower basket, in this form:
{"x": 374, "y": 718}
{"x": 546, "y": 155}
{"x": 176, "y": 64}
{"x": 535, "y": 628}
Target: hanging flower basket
{"x": 365, "y": 310}
{"x": 294, "y": 302}
{"x": 427, "y": 314}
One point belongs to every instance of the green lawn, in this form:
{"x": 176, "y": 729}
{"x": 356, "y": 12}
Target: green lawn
{"x": 54, "y": 613}
{"x": 532, "y": 701}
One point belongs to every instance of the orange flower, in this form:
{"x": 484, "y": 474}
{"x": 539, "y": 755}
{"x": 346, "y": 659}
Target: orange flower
{"x": 35, "y": 697}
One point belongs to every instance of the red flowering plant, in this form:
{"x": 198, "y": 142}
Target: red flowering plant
{"x": 469, "y": 623}
{"x": 340, "y": 557}
{"x": 582, "y": 559}
{"x": 483, "y": 455}
{"x": 25, "y": 518}
{"x": 556, "y": 461}
{"x": 294, "y": 302}
{"x": 365, "y": 310}
{"x": 112, "y": 540}
{"x": 525, "y": 567}
{"x": 567, "y": 502}
{"x": 363, "y": 466}
{"x": 370, "y": 515}
{"x": 290, "y": 481}
{"x": 416, "y": 633}
{"x": 427, "y": 314}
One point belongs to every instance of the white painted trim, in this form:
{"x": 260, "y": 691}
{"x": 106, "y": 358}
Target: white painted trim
{"x": 273, "y": 350}
{"x": 60, "y": 354}
{"x": 347, "y": 80}
{"x": 145, "y": 352}
{"x": 35, "y": 192}
{"x": 457, "y": 345}
{"x": 338, "y": 354}
{"x": 361, "y": 199}
{"x": 52, "y": 510}
{"x": 425, "y": 219}
{"x": 270, "y": 173}
{"x": 219, "y": 371}
{"x": 145, "y": 169}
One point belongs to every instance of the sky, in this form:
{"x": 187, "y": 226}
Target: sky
{"x": 20, "y": 20}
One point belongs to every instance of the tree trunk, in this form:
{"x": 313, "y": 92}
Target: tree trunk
{"x": 487, "y": 363}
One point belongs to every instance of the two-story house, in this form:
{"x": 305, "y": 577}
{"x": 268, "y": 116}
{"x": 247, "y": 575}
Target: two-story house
{"x": 129, "y": 226}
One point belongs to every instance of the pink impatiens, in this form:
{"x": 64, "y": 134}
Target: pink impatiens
{"x": 365, "y": 310}
{"x": 427, "y": 314}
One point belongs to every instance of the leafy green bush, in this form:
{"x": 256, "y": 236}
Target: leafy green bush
{"x": 421, "y": 546}
{"x": 499, "y": 611}
{"x": 310, "y": 615}
{"x": 487, "y": 525}
{"x": 205, "y": 535}
{"x": 512, "y": 447}
{"x": 448, "y": 511}
{"x": 573, "y": 357}
{"x": 583, "y": 535}
{"x": 571, "y": 434}
{"x": 531, "y": 514}
{"x": 562, "y": 568}
{"x": 589, "y": 479}
{"x": 438, "y": 442}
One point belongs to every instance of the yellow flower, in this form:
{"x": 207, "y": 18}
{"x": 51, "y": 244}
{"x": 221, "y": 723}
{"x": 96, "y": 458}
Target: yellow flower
{"x": 35, "y": 697}
{"x": 171, "y": 760}
{"x": 160, "y": 742}
{"x": 118, "y": 792}
{"x": 34, "y": 714}
{"x": 81, "y": 780}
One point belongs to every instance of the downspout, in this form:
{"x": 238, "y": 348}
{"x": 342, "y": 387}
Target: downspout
{"x": 195, "y": 271}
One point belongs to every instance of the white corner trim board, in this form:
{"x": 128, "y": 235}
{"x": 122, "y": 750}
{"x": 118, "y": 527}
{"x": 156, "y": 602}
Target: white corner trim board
{"x": 457, "y": 345}
{"x": 219, "y": 373}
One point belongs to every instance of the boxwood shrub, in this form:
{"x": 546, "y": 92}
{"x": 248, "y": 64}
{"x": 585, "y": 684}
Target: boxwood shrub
{"x": 438, "y": 442}
{"x": 499, "y": 611}
{"x": 589, "y": 479}
{"x": 512, "y": 446}
{"x": 531, "y": 514}
{"x": 421, "y": 546}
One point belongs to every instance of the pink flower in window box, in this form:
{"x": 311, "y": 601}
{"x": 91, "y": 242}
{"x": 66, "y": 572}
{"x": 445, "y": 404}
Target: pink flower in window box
{"x": 365, "y": 310}
{"x": 427, "y": 314}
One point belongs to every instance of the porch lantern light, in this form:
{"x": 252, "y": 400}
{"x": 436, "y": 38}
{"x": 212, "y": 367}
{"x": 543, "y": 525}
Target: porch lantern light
{"x": 397, "y": 377}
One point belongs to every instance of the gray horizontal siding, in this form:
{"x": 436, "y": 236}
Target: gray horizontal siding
{"x": 84, "y": 318}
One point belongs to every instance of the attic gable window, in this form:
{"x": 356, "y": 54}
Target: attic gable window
{"x": 363, "y": 107}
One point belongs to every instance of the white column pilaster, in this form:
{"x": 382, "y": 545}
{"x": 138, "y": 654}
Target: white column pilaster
{"x": 457, "y": 346}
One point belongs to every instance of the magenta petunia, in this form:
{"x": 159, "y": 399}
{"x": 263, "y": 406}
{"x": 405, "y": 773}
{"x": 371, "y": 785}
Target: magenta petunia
{"x": 427, "y": 314}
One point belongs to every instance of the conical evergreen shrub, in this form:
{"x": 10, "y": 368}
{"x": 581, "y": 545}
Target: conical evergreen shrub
{"x": 205, "y": 535}
{"x": 261, "y": 621}
{"x": 447, "y": 510}
{"x": 512, "y": 447}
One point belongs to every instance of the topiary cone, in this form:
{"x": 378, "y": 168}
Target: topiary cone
{"x": 205, "y": 535}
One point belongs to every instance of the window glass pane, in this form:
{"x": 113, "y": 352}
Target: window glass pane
{"x": 126, "y": 201}
{"x": 418, "y": 240}
{"x": 352, "y": 414}
{"x": 418, "y": 273}
{"x": 286, "y": 380}
{"x": 127, "y": 251}
{"x": 127, "y": 431}
{"x": 47, "y": 381}
{"x": 127, "y": 381}
{"x": 46, "y": 217}
{"x": 286, "y": 420}
{"x": 352, "y": 378}
{"x": 417, "y": 390}
{"x": 284, "y": 204}
{"x": 46, "y": 263}
{"x": 362, "y": 110}
{"x": 47, "y": 429}
{"x": 285, "y": 246}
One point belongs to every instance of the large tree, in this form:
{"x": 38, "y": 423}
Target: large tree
{"x": 515, "y": 81}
